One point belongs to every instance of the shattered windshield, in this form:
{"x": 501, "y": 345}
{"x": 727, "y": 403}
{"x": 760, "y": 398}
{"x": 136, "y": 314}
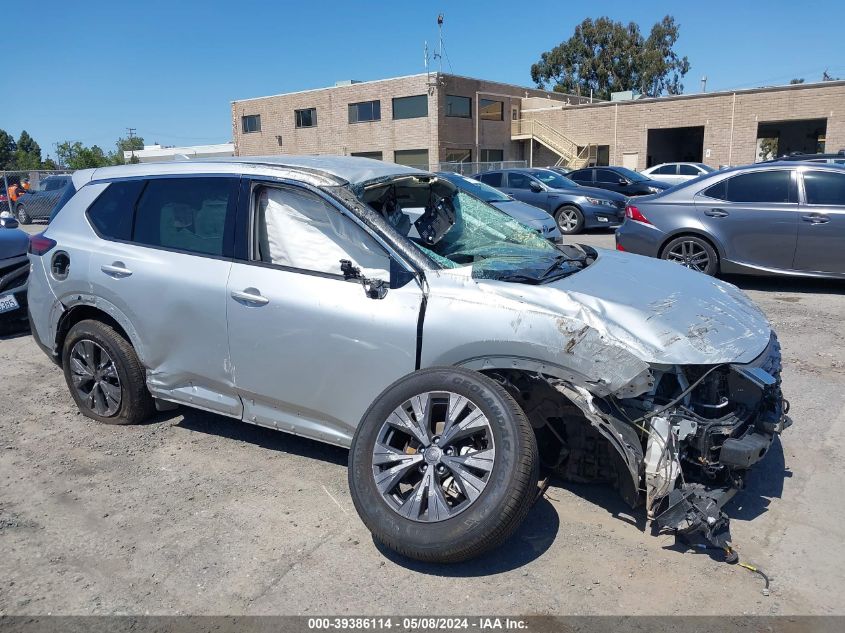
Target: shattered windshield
{"x": 477, "y": 188}
{"x": 499, "y": 247}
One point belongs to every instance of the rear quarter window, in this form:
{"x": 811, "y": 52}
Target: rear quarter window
{"x": 111, "y": 213}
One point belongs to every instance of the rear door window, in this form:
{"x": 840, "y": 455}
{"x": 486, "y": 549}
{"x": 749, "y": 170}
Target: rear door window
{"x": 582, "y": 175}
{"x": 493, "y": 179}
{"x": 824, "y": 187}
{"x": 689, "y": 170}
{"x": 195, "y": 215}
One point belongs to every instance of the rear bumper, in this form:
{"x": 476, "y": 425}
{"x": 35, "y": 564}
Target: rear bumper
{"x": 639, "y": 238}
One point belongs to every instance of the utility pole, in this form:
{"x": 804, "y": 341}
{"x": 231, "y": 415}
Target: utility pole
{"x": 131, "y": 131}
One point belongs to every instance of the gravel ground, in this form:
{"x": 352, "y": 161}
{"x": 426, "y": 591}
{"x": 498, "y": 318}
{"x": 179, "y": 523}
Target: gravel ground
{"x": 196, "y": 513}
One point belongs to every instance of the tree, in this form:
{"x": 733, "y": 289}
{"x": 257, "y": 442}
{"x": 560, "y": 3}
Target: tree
{"x": 28, "y": 152}
{"x": 793, "y": 82}
{"x": 75, "y": 155}
{"x": 7, "y": 150}
{"x": 606, "y": 56}
{"x": 127, "y": 145}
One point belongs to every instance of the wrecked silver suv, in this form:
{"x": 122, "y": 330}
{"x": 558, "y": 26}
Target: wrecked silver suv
{"x": 376, "y": 307}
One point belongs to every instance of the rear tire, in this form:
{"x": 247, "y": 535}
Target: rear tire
{"x": 22, "y": 215}
{"x": 104, "y": 375}
{"x": 490, "y": 492}
{"x": 569, "y": 219}
{"x": 692, "y": 252}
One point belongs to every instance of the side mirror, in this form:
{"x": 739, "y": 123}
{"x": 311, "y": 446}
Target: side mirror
{"x": 535, "y": 186}
{"x": 623, "y": 182}
{"x": 373, "y": 288}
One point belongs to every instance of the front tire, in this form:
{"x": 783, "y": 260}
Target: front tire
{"x": 692, "y": 252}
{"x": 443, "y": 465}
{"x": 569, "y": 219}
{"x": 104, "y": 375}
{"x": 22, "y": 215}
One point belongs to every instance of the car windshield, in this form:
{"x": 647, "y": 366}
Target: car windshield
{"x": 499, "y": 247}
{"x": 478, "y": 189}
{"x": 630, "y": 174}
{"x": 553, "y": 179}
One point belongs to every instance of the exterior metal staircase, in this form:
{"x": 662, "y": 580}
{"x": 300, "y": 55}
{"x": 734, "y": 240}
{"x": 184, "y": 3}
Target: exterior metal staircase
{"x": 570, "y": 155}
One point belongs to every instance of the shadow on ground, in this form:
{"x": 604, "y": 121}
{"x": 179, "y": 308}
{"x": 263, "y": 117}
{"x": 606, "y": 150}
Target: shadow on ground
{"x": 781, "y": 284}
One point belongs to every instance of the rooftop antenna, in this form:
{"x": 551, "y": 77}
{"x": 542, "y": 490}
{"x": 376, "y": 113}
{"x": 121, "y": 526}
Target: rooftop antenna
{"x": 704, "y": 83}
{"x": 439, "y": 54}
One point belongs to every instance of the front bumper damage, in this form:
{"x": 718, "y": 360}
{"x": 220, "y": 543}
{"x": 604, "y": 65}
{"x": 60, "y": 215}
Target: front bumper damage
{"x": 686, "y": 445}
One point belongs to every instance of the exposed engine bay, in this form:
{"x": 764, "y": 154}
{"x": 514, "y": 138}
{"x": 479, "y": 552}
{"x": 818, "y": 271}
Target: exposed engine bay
{"x": 683, "y": 448}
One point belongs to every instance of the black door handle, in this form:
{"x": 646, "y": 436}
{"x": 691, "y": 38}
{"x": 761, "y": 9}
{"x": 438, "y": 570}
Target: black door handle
{"x": 716, "y": 213}
{"x": 816, "y": 218}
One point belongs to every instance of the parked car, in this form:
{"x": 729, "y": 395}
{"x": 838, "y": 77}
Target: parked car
{"x": 784, "y": 217}
{"x": 574, "y": 208}
{"x": 531, "y": 216}
{"x": 39, "y": 204}
{"x": 14, "y": 271}
{"x": 284, "y": 292}
{"x": 835, "y": 159}
{"x": 676, "y": 173}
{"x": 620, "y": 179}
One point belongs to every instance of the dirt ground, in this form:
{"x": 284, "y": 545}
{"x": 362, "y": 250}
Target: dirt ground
{"x": 196, "y": 513}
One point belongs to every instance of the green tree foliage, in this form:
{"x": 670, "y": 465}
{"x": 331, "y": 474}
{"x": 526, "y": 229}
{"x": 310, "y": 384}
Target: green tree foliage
{"x": 794, "y": 82}
{"x": 7, "y": 150}
{"x": 75, "y": 155}
{"x": 606, "y": 56}
{"x": 28, "y": 152}
{"x": 126, "y": 145}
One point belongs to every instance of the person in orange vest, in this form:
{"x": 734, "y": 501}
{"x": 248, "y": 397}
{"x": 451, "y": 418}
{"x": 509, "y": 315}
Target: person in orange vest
{"x": 25, "y": 184}
{"x": 16, "y": 190}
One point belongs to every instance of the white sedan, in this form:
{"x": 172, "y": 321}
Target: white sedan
{"x": 676, "y": 173}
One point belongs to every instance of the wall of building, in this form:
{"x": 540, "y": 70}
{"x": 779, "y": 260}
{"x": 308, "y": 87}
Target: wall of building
{"x": 333, "y": 133}
{"x": 730, "y": 120}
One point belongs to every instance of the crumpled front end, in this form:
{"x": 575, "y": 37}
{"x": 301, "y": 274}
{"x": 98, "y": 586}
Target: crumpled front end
{"x": 698, "y": 431}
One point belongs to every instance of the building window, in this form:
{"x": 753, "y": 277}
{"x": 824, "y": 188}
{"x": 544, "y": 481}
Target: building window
{"x": 306, "y": 117}
{"x": 458, "y": 156}
{"x": 410, "y": 107}
{"x": 411, "y": 157}
{"x": 251, "y": 123}
{"x": 365, "y": 111}
{"x": 491, "y": 155}
{"x": 490, "y": 110}
{"x": 460, "y": 107}
{"x": 376, "y": 155}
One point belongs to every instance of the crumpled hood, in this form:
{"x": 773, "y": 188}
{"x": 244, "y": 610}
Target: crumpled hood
{"x": 661, "y": 312}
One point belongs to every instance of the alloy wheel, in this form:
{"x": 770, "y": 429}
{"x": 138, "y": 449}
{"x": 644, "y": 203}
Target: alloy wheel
{"x": 95, "y": 378}
{"x": 433, "y": 456}
{"x": 567, "y": 220}
{"x": 689, "y": 254}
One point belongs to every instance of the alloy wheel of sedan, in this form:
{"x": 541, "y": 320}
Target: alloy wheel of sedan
{"x": 569, "y": 219}
{"x": 433, "y": 456}
{"x": 689, "y": 253}
{"x": 95, "y": 378}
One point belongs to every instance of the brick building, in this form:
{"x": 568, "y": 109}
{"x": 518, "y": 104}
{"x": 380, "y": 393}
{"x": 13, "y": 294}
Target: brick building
{"x": 419, "y": 120}
{"x": 428, "y": 119}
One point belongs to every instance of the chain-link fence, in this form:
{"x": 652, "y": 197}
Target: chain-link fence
{"x": 468, "y": 169}
{"x": 31, "y": 195}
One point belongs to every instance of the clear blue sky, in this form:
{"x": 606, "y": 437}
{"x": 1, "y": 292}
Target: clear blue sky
{"x": 87, "y": 70}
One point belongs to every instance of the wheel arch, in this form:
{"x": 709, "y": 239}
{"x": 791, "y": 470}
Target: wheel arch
{"x": 688, "y": 232}
{"x": 100, "y": 311}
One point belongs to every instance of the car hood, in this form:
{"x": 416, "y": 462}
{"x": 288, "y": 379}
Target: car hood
{"x": 521, "y": 211}
{"x": 13, "y": 243}
{"x": 660, "y": 312}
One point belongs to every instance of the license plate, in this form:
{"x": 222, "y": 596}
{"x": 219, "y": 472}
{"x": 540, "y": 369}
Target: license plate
{"x": 8, "y": 303}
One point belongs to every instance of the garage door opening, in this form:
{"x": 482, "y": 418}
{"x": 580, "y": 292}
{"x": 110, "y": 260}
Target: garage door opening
{"x": 777, "y": 138}
{"x": 675, "y": 145}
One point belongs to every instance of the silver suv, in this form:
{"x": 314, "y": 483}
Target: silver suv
{"x": 455, "y": 355}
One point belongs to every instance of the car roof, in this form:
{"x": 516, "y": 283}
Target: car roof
{"x": 319, "y": 170}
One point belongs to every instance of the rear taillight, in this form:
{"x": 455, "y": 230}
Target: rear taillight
{"x": 633, "y": 213}
{"x": 619, "y": 247}
{"x": 38, "y": 244}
